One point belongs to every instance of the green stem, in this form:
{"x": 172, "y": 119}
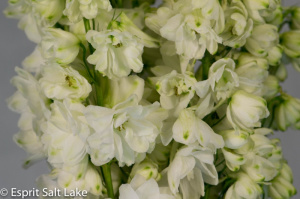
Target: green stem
{"x": 84, "y": 61}
{"x": 108, "y": 181}
{"x": 87, "y": 27}
{"x": 206, "y": 63}
{"x": 206, "y": 196}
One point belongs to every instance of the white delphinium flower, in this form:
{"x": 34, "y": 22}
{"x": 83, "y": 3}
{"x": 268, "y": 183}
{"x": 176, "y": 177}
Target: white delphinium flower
{"x": 34, "y": 15}
{"x": 141, "y": 188}
{"x": 34, "y": 62}
{"x": 176, "y": 90}
{"x": 262, "y": 156}
{"x": 127, "y": 131}
{"x": 29, "y": 23}
{"x": 60, "y": 82}
{"x": 252, "y": 72}
{"x": 275, "y": 55}
{"x": 233, "y": 141}
{"x": 147, "y": 168}
{"x": 238, "y": 26}
{"x": 221, "y": 79}
{"x": 188, "y": 129}
{"x": 282, "y": 185}
{"x": 29, "y": 93}
{"x": 59, "y": 45}
{"x": 77, "y": 9}
{"x": 291, "y": 43}
{"x": 244, "y": 187}
{"x": 263, "y": 38}
{"x": 246, "y": 110}
{"x": 264, "y": 11}
{"x": 270, "y": 87}
{"x": 295, "y": 24}
{"x": 192, "y": 166}
{"x": 33, "y": 106}
{"x": 192, "y": 26}
{"x": 50, "y": 11}
{"x": 137, "y": 14}
{"x": 83, "y": 176}
{"x": 287, "y": 113}
{"x": 117, "y": 53}
{"x": 65, "y": 133}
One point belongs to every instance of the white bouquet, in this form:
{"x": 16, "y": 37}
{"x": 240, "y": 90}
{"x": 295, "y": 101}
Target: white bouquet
{"x": 126, "y": 100}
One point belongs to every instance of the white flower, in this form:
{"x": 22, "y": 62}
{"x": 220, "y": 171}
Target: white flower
{"x": 193, "y": 27}
{"x": 126, "y": 131}
{"x": 188, "y": 129}
{"x": 275, "y": 55}
{"x": 148, "y": 169}
{"x": 246, "y": 110}
{"x": 264, "y": 37}
{"x": 244, "y": 187}
{"x": 238, "y": 26}
{"x": 264, "y": 11}
{"x": 252, "y": 72}
{"x": 34, "y": 62}
{"x": 59, "y": 45}
{"x": 176, "y": 90}
{"x": 77, "y": 9}
{"x": 139, "y": 188}
{"x": 30, "y": 91}
{"x": 81, "y": 176}
{"x": 192, "y": 166}
{"x": 282, "y": 185}
{"x": 287, "y": 113}
{"x": 221, "y": 79}
{"x": 234, "y": 141}
{"x": 290, "y": 41}
{"x": 61, "y": 82}
{"x": 117, "y": 53}
{"x": 65, "y": 133}
{"x": 270, "y": 87}
{"x": 50, "y": 12}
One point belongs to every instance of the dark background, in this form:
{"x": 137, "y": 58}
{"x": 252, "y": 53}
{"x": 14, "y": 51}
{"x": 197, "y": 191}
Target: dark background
{"x": 14, "y": 47}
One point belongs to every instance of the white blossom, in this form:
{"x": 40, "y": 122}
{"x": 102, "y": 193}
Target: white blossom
{"x": 117, "y": 53}
{"x": 246, "y": 110}
{"x": 61, "y": 82}
{"x": 59, "y": 45}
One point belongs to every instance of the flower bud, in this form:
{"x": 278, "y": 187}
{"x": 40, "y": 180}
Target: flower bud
{"x": 282, "y": 185}
{"x": 147, "y": 169}
{"x": 288, "y": 112}
{"x": 291, "y": 43}
{"x": 246, "y": 110}
{"x": 281, "y": 72}
{"x": 252, "y": 72}
{"x": 295, "y": 24}
{"x": 59, "y": 45}
{"x": 93, "y": 181}
{"x": 264, "y": 37}
{"x": 244, "y": 187}
{"x": 270, "y": 87}
{"x": 275, "y": 55}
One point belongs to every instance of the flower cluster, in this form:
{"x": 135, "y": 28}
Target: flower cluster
{"x": 129, "y": 101}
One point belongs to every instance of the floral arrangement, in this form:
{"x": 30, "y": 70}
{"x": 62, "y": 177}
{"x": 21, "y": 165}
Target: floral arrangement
{"x": 131, "y": 101}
